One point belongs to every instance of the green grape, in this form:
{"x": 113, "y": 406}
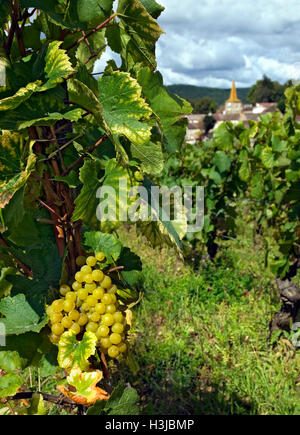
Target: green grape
{"x": 69, "y": 305}
{"x": 113, "y": 351}
{"x": 111, "y": 309}
{"x": 115, "y": 338}
{"x": 106, "y": 282}
{"x": 54, "y": 338}
{"x": 95, "y": 317}
{"x": 64, "y": 289}
{"x": 88, "y": 278}
{"x": 83, "y": 319}
{"x": 74, "y": 315}
{"x": 108, "y": 319}
{"x": 92, "y": 326}
{"x": 78, "y": 303}
{"x": 102, "y": 331}
{"x": 57, "y": 306}
{"x": 79, "y": 277}
{"x": 105, "y": 342}
{"x": 82, "y": 294}
{"x": 76, "y": 286}
{"x": 97, "y": 275}
{"x": 71, "y": 296}
{"x": 122, "y": 347}
{"x": 118, "y": 317}
{"x": 98, "y": 293}
{"x": 56, "y": 317}
{"x": 100, "y": 308}
{"x": 57, "y": 329}
{"x": 80, "y": 261}
{"x": 100, "y": 256}
{"x": 117, "y": 327}
{"x": 112, "y": 290}
{"x": 76, "y": 328}
{"x": 67, "y": 322}
{"x": 90, "y": 287}
{"x": 106, "y": 299}
{"x": 91, "y": 300}
{"x": 91, "y": 261}
{"x": 86, "y": 269}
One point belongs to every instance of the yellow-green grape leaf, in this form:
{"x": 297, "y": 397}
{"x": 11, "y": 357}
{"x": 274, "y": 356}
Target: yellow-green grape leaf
{"x": 85, "y": 383}
{"x": 10, "y": 384}
{"x": 124, "y": 109}
{"x": 20, "y": 96}
{"x": 73, "y": 353}
{"x": 58, "y": 65}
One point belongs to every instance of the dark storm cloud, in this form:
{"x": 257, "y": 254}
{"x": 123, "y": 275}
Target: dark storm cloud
{"x": 212, "y": 42}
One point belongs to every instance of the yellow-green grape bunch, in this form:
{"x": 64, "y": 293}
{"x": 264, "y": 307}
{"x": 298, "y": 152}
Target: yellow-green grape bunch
{"x": 90, "y": 305}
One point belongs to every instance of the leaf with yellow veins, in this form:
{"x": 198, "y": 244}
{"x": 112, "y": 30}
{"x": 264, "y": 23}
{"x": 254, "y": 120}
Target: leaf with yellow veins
{"x": 75, "y": 354}
{"x": 87, "y": 393}
{"x": 125, "y": 112}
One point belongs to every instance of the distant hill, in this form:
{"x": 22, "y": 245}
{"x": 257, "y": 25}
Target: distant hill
{"x": 218, "y": 95}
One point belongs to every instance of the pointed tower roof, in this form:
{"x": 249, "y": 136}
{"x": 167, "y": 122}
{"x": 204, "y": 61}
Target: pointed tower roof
{"x": 233, "y": 95}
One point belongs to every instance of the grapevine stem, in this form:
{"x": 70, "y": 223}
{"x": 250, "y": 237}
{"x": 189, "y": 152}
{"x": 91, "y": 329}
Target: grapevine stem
{"x": 90, "y": 150}
{"x": 96, "y": 29}
{"x": 23, "y": 266}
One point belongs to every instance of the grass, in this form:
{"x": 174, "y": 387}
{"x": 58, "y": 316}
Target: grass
{"x": 200, "y": 339}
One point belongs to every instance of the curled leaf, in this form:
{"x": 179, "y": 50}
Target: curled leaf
{"x": 86, "y": 392}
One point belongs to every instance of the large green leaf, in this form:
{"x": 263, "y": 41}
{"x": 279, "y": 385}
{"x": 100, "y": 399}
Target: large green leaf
{"x": 123, "y": 401}
{"x": 10, "y": 384}
{"x": 10, "y": 361}
{"x": 86, "y": 202}
{"x": 222, "y": 161}
{"x": 106, "y": 243}
{"x": 150, "y": 157}
{"x": 140, "y": 33}
{"x": 124, "y": 110}
{"x": 82, "y": 95}
{"x": 168, "y": 108}
{"x": 19, "y": 316}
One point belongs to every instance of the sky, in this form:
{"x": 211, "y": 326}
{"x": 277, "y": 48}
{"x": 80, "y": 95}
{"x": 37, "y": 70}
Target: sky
{"x": 212, "y": 42}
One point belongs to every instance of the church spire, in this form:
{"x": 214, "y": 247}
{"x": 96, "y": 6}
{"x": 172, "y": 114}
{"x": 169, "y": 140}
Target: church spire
{"x": 233, "y": 94}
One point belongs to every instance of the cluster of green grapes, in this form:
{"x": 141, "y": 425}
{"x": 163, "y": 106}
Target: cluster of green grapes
{"x": 91, "y": 305}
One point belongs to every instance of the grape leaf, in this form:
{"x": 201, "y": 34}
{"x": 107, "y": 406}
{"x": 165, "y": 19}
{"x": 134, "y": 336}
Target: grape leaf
{"x": 153, "y": 8}
{"x": 75, "y": 354}
{"x": 106, "y": 243}
{"x": 86, "y": 202}
{"x": 19, "y": 316}
{"x": 168, "y": 108}
{"x": 124, "y": 108}
{"x": 13, "y": 172}
{"x": 141, "y": 33}
{"x": 10, "y": 384}
{"x": 123, "y": 401}
{"x": 10, "y": 361}
{"x": 85, "y": 383}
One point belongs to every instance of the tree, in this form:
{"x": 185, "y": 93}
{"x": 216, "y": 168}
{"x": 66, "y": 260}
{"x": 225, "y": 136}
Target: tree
{"x": 209, "y": 123}
{"x": 266, "y": 91}
{"x": 204, "y": 105}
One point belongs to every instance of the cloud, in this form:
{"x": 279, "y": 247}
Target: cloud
{"x": 212, "y": 42}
